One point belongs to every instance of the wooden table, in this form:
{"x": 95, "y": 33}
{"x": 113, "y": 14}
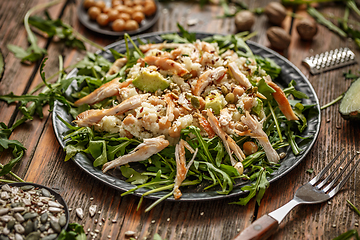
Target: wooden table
{"x": 44, "y": 159}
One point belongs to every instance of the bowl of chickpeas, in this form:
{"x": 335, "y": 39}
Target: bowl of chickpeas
{"x": 117, "y": 17}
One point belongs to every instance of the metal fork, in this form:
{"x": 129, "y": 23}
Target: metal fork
{"x": 309, "y": 193}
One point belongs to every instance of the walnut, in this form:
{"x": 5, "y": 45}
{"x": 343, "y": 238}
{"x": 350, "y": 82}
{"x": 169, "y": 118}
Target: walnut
{"x": 278, "y": 38}
{"x": 244, "y": 20}
{"x": 275, "y": 12}
{"x": 306, "y": 28}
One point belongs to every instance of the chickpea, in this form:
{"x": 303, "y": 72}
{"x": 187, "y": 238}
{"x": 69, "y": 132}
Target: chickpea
{"x": 250, "y": 148}
{"x": 88, "y": 4}
{"x": 121, "y": 8}
{"x": 116, "y": 3}
{"x": 124, "y": 16}
{"x": 131, "y": 25}
{"x": 113, "y": 15}
{"x": 94, "y": 12}
{"x": 118, "y": 25}
{"x": 230, "y": 98}
{"x": 149, "y": 9}
{"x": 100, "y": 4}
{"x": 138, "y": 8}
{"x": 148, "y": 2}
{"x": 138, "y": 16}
{"x": 128, "y": 3}
{"x": 106, "y": 9}
{"x": 102, "y": 19}
{"x": 138, "y": 2}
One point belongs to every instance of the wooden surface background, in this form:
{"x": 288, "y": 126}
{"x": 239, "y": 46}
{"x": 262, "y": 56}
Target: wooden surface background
{"x": 44, "y": 159}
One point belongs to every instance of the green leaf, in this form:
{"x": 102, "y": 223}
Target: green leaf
{"x": 74, "y": 231}
{"x": 291, "y": 90}
{"x": 133, "y": 176}
{"x": 97, "y": 149}
{"x": 269, "y": 66}
{"x": 2, "y": 65}
{"x": 220, "y": 153}
{"x": 310, "y": 170}
{"x": 265, "y": 89}
{"x": 348, "y": 235}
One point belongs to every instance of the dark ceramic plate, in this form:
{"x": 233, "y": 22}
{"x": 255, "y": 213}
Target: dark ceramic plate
{"x": 94, "y": 26}
{"x": 57, "y": 196}
{"x": 113, "y": 178}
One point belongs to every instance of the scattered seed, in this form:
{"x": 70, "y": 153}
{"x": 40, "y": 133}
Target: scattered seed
{"x": 238, "y": 230}
{"x": 356, "y": 224}
{"x": 91, "y": 198}
{"x": 130, "y": 233}
{"x": 79, "y": 213}
{"x": 113, "y": 221}
{"x": 168, "y": 219}
{"x": 99, "y": 212}
{"x": 153, "y": 221}
{"x": 108, "y": 236}
{"x": 96, "y": 221}
{"x": 100, "y": 224}
{"x": 329, "y": 202}
{"x": 103, "y": 219}
{"x": 202, "y": 213}
{"x": 334, "y": 225}
{"x": 97, "y": 230}
{"x": 70, "y": 209}
{"x": 92, "y": 210}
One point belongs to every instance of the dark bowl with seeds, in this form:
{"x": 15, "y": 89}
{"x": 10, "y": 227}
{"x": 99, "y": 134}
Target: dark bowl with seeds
{"x": 31, "y": 211}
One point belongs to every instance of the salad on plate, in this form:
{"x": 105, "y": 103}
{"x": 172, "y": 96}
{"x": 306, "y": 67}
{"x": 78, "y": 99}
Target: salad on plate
{"x": 187, "y": 112}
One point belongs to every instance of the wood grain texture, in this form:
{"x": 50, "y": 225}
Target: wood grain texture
{"x": 43, "y": 162}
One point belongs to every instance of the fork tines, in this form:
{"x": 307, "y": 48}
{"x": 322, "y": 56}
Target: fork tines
{"x": 337, "y": 177}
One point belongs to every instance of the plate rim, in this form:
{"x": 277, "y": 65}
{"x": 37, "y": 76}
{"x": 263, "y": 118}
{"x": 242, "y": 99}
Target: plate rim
{"x": 141, "y": 29}
{"x": 139, "y": 192}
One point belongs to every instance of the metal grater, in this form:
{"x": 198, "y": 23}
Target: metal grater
{"x": 330, "y": 60}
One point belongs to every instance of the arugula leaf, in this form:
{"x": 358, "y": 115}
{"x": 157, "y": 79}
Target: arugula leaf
{"x": 256, "y": 189}
{"x": 269, "y": 66}
{"x": 74, "y": 231}
{"x": 6, "y": 143}
{"x": 348, "y": 235}
{"x": 291, "y": 90}
{"x": 350, "y": 75}
{"x": 133, "y": 176}
{"x": 190, "y": 37}
{"x": 97, "y": 149}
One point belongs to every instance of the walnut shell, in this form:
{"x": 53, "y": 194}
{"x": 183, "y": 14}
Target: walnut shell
{"x": 307, "y": 29}
{"x": 244, "y": 20}
{"x": 278, "y": 38}
{"x": 275, "y": 12}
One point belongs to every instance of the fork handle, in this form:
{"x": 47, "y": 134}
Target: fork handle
{"x": 262, "y": 228}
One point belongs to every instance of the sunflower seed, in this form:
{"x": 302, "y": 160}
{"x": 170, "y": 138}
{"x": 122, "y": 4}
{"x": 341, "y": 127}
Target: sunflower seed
{"x": 19, "y": 217}
{"x": 4, "y": 211}
{"x": 45, "y": 192}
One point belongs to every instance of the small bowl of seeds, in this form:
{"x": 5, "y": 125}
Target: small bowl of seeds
{"x": 31, "y": 211}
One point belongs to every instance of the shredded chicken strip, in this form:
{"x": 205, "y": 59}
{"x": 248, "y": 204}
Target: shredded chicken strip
{"x": 229, "y": 143}
{"x": 258, "y": 133}
{"x": 239, "y": 76}
{"x": 109, "y": 89}
{"x": 147, "y": 47}
{"x": 167, "y": 64}
{"x": 207, "y": 77}
{"x": 181, "y": 168}
{"x": 142, "y": 152}
{"x": 116, "y": 66}
{"x": 282, "y": 101}
{"x": 92, "y": 117}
